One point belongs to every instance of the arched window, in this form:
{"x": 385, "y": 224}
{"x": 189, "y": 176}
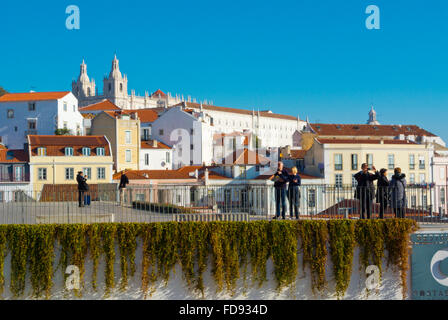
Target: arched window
{"x": 121, "y": 87}
{"x": 110, "y": 87}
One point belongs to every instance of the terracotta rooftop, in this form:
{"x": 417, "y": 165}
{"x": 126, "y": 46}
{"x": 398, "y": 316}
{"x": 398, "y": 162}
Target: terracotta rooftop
{"x": 100, "y": 106}
{"x": 158, "y": 93}
{"x": 297, "y": 154}
{"x": 55, "y": 145}
{"x": 13, "y": 156}
{"x": 234, "y": 110}
{"x": 146, "y": 115}
{"x": 33, "y": 96}
{"x": 325, "y": 129}
{"x": 245, "y": 157}
{"x": 149, "y": 145}
{"x": 362, "y": 141}
{"x": 179, "y": 174}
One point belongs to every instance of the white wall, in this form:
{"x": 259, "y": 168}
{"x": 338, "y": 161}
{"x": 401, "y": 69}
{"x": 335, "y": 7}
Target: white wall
{"x": 176, "y": 288}
{"x": 45, "y": 113}
{"x": 156, "y": 157}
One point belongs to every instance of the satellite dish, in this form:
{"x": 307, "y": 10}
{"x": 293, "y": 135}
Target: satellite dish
{"x": 163, "y": 163}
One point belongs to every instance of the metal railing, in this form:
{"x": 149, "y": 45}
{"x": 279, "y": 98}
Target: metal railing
{"x": 232, "y": 202}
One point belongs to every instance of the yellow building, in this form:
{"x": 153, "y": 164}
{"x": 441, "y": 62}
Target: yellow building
{"x": 122, "y": 129}
{"x": 58, "y": 159}
{"x": 337, "y": 160}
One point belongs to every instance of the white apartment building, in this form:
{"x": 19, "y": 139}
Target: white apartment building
{"x": 155, "y": 155}
{"x": 38, "y": 113}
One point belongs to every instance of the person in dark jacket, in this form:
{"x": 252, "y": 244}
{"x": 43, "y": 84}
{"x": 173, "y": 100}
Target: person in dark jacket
{"x": 281, "y": 178}
{"x": 294, "y": 193}
{"x": 398, "y": 193}
{"x": 123, "y": 182}
{"x": 82, "y": 187}
{"x": 365, "y": 190}
{"x": 382, "y": 193}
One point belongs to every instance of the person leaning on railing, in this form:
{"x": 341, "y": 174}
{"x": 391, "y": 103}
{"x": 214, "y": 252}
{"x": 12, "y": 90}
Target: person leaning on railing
{"x": 294, "y": 193}
{"x": 382, "y": 193}
{"x": 281, "y": 178}
{"x": 398, "y": 193}
{"x": 365, "y": 190}
{"x": 123, "y": 182}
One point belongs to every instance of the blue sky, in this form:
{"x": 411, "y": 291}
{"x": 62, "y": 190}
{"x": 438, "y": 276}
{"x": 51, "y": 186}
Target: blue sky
{"x": 303, "y": 57}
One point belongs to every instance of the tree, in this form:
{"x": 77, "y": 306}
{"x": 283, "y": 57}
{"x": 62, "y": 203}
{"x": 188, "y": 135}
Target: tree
{"x": 2, "y": 91}
{"x": 63, "y": 132}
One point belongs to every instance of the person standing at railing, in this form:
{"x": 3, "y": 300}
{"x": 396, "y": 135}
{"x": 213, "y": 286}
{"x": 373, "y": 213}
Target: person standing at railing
{"x": 123, "y": 182}
{"x": 398, "y": 193}
{"x": 281, "y": 178}
{"x": 82, "y": 188}
{"x": 365, "y": 190}
{"x": 383, "y": 192}
{"x": 294, "y": 193}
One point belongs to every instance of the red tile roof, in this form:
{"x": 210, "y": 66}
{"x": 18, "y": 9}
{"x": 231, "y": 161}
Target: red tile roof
{"x": 33, "y": 96}
{"x": 146, "y": 115}
{"x": 325, "y": 129}
{"x": 179, "y": 174}
{"x": 102, "y": 105}
{"x": 245, "y": 157}
{"x": 158, "y": 92}
{"x": 234, "y": 110}
{"x": 56, "y": 144}
{"x": 149, "y": 145}
{"x": 13, "y": 155}
{"x": 362, "y": 141}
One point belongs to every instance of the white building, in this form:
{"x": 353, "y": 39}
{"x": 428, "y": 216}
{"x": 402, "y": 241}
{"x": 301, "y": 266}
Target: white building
{"x": 191, "y": 134}
{"x": 37, "y": 113}
{"x": 155, "y": 155}
{"x": 115, "y": 89}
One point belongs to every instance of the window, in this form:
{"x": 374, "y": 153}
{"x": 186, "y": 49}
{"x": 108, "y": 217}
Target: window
{"x": 127, "y": 135}
{"x": 338, "y": 180}
{"x": 412, "y": 178}
{"x": 311, "y": 198}
{"x": 101, "y": 173}
{"x": 10, "y": 114}
{"x": 421, "y": 162}
{"x": 2, "y": 199}
{"x": 110, "y": 87}
{"x": 145, "y": 134}
{"x": 128, "y": 155}
{"x": 161, "y": 132}
{"x": 32, "y": 106}
{"x": 167, "y": 157}
{"x": 411, "y": 162}
{"x": 146, "y": 159}
{"x": 390, "y": 161}
{"x": 425, "y": 201}
{"x": 65, "y": 106}
{"x": 86, "y": 151}
{"x": 65, "y": 125}
{"x": 422, "y": 178}
{"x": 100, "y": 151}
{"x": 354, "y": 162}
{"x": 74, "y": 108}
{"x": 32, "y": 124}
{"x": 18, "y": 173}
{"x": 442, "y": 195}
{"x": 69, "y": 173}
{"x": 121, "y": 87}
{"x": 42, "y": 173}
{"x": 369, "y": 159}
{"x": 87, "y": 172}
{"x": 41, "y": 151}
{"x": 338, "y": 161}
{"x": 69, "y": 151}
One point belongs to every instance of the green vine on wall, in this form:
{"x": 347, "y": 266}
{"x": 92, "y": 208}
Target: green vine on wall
{"x": 233, "y": 246}
{"x": 342, "y": 243}
{"x": 314, "y": 236}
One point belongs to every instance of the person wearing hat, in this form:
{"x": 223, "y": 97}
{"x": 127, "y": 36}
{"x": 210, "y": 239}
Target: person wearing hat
{"x": 82, "y": 187}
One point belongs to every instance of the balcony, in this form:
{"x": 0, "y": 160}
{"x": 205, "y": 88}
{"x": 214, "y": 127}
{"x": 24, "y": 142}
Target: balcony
{"x": 12, "y": 177}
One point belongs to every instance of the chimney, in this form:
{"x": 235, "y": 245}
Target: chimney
{"x": 154, "y": 143}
